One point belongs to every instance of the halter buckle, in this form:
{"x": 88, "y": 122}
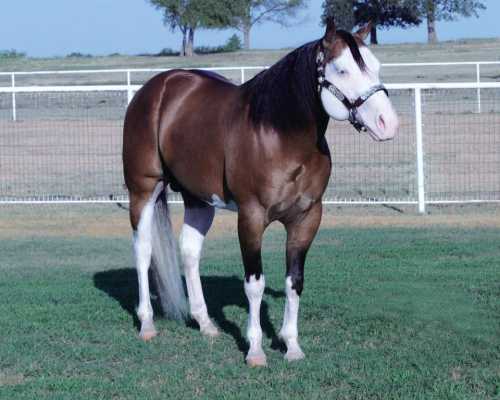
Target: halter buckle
{"x": 360, "y": 127}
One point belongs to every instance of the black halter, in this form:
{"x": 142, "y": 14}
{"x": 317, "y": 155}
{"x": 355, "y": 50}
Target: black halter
{"x": 352, "y": 106}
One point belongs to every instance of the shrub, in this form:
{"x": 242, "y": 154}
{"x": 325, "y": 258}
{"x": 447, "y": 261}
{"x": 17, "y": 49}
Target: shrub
{"x": 77, "y": 54}
{"x": 12, "y": 54}
{"x": 167, "y": 52}
{"x": 232, "y": 44}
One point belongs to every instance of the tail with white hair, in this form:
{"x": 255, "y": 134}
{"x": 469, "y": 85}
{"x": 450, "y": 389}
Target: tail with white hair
{"x": 165, "y": 262}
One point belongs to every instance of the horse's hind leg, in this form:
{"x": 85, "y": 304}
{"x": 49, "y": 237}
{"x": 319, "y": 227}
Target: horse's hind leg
{"x": 198, "y": 218}
{"x": 141, "y": 216}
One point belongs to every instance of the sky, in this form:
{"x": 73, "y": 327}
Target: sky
{"x": 100, "y": 27}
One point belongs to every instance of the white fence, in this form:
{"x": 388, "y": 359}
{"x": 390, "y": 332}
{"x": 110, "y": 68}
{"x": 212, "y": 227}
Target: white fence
{"x": 129, "y": 74}
{"x": 65, "y": 147}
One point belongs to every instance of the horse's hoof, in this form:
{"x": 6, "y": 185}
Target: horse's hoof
{"x": 258, "y": 360}
{"x": 294, "y": 355}
{"x": 210, "y": 331}
{"x": 148, "y": 335}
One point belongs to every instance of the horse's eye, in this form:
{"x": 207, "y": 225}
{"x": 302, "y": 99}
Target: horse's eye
{"x": 342, "y": 72}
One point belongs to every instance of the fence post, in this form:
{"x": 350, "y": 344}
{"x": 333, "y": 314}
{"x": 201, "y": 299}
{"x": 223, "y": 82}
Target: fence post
{"x": 129, "y": 88}
{"x": 242, "y": 76}
{"x": 14, "y": 109}
{"x": 420, "y": 151}
{"x": 478, "y": 79}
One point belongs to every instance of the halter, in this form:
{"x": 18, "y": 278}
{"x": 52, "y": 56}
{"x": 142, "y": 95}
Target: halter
{"x": 352, "y": 106}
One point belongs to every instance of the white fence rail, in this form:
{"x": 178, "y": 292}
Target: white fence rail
{"x": 128, "y": 74}
{"x": 65, "y": 147}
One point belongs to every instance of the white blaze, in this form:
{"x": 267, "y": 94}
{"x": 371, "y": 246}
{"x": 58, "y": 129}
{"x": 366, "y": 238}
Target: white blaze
{"x": 377, "y": 113}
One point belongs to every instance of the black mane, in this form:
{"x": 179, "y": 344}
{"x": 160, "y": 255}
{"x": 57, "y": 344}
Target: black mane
{"x": 285, "y": 96}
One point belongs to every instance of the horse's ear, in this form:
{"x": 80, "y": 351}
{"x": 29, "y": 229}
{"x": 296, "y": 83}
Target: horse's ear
{"x": 363, "y": 32}
{"x": 330, "y": 33}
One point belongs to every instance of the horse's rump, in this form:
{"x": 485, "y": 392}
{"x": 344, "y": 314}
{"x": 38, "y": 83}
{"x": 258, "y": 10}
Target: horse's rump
{"x": 184, "y": 130}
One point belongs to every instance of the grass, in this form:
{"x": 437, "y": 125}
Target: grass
{"x": 387, "y": 313}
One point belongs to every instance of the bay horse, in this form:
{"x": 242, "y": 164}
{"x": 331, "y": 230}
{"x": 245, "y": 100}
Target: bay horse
{"x": 258, "y": 149}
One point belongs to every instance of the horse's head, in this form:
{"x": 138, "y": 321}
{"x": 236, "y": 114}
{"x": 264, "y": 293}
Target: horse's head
{"x": 349, "y": 83}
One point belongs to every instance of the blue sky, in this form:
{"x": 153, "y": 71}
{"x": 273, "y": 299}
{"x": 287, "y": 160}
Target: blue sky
{"x": 58, "y": 27}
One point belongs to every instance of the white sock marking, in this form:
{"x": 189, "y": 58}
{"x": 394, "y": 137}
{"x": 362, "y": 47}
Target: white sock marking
{"x": 191, "y": 244}
{"x": 254, "y": 289}
{"x": 142, "y": 252}
{"x": 289, "y": 331}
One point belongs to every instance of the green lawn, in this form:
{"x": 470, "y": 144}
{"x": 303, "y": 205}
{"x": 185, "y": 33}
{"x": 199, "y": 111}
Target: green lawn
{"x": 388, "y": 313}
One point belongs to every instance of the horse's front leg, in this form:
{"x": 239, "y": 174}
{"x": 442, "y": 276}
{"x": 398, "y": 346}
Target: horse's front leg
{"x": 250, "y": 229}
{"x": 300, "y": 234}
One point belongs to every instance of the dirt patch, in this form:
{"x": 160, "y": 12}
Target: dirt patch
{"x": 112, "y": 221}
{"x": 11, "y": 379}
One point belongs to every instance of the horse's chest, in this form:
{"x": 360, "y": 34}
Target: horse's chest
{"x": 303, "y": 187}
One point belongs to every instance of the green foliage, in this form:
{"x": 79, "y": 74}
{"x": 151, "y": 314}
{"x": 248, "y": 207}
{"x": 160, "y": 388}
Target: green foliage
{"x": 233, "y": 44}
{"x": 450, "y": 9}
{"x": 244, "y": 14}
{"x": 193, "y": 14}
{"x": 435, "y": 10}
{"x": 188, "y": 15}
{"x": 387, "y": 13}
{"x": 77, "y": 54}
{"x": 382, "y": 13}
{"x": 257, "y": 11}
{"x": 342, "y": 11}
{"x": 167, "y": 52}
{"x": 11, "y": 54}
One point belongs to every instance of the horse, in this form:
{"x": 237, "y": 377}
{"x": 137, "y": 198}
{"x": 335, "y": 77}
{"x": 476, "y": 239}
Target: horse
{"x": 258, "y": 149}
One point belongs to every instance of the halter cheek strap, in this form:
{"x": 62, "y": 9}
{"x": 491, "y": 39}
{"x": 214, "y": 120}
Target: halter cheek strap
{"x": 352, "y": 106}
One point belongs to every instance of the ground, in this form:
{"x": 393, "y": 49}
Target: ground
{"x": 395, "y": 306}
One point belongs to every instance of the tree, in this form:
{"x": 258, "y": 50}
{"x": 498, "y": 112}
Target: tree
{"x": 188, "y": 15}
{"x": 245, "y": 14}
{"x": 386, "y": 14}
{"x": 342, "y": 11}
{"x": 436, "y": 10}
{"x": 381, "y": 13}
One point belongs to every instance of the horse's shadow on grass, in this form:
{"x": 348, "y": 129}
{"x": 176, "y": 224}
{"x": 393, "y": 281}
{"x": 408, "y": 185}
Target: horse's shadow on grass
{"x": 220, "y": 291}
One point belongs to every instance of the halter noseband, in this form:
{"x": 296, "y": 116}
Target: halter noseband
{"x": 353, "y": 106}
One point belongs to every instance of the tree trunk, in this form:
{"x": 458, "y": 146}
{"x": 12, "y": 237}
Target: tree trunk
{"x": 431, "y": 22}
{"x": 373, "y": 35}
{"x": 190, "y": 43}
{"x": 183, "y": 47}
{"x": 246, "y": 35}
